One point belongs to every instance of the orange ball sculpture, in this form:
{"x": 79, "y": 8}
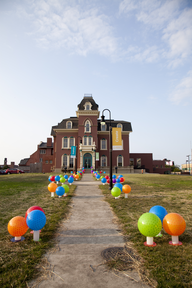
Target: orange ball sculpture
{"x": 126, "y": 189}
{"x": 52, "y": 188}
{"x": 17, "y": 227}
{"x": 174, "y": 224}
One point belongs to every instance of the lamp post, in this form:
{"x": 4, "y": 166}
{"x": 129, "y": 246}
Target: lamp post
{"x": 78, "y": 149}
{"x": 110, "y": 145}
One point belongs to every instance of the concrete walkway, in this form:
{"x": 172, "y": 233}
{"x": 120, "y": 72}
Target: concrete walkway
{"x": 76, "y": 261}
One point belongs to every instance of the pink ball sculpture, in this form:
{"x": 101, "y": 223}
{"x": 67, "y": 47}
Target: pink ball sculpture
{"x": 174, "y": 224}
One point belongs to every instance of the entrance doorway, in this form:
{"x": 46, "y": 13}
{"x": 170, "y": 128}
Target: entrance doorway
{"x": 87, "y": 161}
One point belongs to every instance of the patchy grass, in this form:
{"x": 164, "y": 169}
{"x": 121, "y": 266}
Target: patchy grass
{"x": 169, "y": 266}
{"x": 18, "y": 261}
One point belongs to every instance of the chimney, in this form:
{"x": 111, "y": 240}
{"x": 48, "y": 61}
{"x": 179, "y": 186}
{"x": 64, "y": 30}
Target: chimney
{"x": 49, "y": 142}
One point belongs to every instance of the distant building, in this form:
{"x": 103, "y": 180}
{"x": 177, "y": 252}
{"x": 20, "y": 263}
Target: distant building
{"x": 91, "y": 140}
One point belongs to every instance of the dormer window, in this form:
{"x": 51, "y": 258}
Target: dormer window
{"x": 69, "y": 125}
{"x": 87, "y": 106}
{"x": 119, "y": 125}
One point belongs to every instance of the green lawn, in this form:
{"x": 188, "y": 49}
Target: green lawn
{"x": 169, "y": 266}
{"x": 18, "y": 261}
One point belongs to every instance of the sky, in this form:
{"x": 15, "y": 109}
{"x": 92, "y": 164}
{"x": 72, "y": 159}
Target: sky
{"x": 133, "y": 56}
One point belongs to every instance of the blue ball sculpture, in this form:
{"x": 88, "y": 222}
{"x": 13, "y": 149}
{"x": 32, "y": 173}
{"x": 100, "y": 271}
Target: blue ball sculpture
{"x": 57, "y": 178}
{"x": 66, "y": 177}
{"x": 60, "y": 191}
{"x": 160, "y": 211}
{"x": 70, "y": 180}
{"x": 103, "y": 180}
{"x": 119, "y": 185}
{"x": 36, "y": 220}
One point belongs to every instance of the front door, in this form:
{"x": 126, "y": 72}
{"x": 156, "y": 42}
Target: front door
{"x": 87, "y": 161}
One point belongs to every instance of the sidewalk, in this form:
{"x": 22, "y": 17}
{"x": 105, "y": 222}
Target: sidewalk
{"x": 76, "y": 261}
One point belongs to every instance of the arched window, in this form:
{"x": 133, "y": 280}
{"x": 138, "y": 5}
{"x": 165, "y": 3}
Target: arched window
{"x": 87, "y": 106}
{"x": 87, "y": 126}
{"x": 103, "y": 127}
{"x": 71, "y": 141}
{"x": 65, "y": 142}
{"x": 85, "y": 140}
{"x": 65, "y": 160}
{"x": 103, "y": 161}
{"x": 90, "y": 140}
{"x": 71, "y": 162}
{"x": 119, "y": 161}
{"x": 69, "y": 125}
{"x": 119, "y": 125}
{"x": 103, "y": 144}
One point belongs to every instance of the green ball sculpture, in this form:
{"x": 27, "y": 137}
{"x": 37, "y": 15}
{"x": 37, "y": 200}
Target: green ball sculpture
{"x": 116, "y": 192}
{"x": 149, "y": 225}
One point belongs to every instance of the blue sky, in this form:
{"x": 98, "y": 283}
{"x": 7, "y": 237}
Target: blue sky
{"x": 133, "y": 56}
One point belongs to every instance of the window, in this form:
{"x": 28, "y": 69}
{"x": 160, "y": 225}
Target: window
{"x": 131, "y": 161}
{"x": 65, "y": 142}
{"x": 138, "y": 162}
{"x": 42, "y": 151}
{"x": 89, "y": 141}
{"x": 103, "y": 127}
{"x": 87, "y": 126}
{"x": 65, "y": 160}
{"x": 119, "y": 125}
{"x": 87, "y": 106}
{"x": 71, "y": 162}
{"x": 51, "y": 162}
{"x": 71, "y": 142}
{"x": 119, "y": 161}
{"x": 103, "y": 144}
{"x": 85, "y": 140}
{"x": 46, "y": 162}
{"x": 41, "y": 159}
{"x": 103, "y": 161}
{"x": 69, "y": 125}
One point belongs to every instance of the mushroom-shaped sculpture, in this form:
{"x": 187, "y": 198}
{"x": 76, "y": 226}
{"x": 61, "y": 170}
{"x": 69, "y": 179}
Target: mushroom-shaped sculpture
{"x": 36, "y": 220}
{"x": 52, "y": 178}
{"x": 52, "y": 188}
{"x": 66, "y": 187}
{"x": 116, "y": 192}
{"x": 76, "y": 176}
{"x": 161, "y": 212}
{"x": 98, "y": 176}
{"x": 119, "y": 185}
{"x": 103, "y": 180}
{"x": 57, "y": 179}
{"x": 60, "y": 191}
{"x": 66, "y": 177}
{"x": 149, "y": 225}
{"x": 174, "y": 224}
{"x": 31, "y": 209}
{"x": 62, "y": 179}
{"x": 126, "y": 190}
{"x": 17, "y": 227}
{"x": 70, "y": 180}
{"x": 122, "y": 179}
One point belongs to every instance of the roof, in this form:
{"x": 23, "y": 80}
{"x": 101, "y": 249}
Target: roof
{"x": 62, "y": 124}
{"x": 88, "y": 99}
{"x": 44, "y": 145}
{"x": 126, "y": 125}
{"x": 23, "y": 161}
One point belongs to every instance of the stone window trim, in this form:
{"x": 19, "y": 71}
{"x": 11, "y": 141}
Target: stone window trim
{"x": 69, "y": 125}
{"x": 119, "y": 125}
{"x": 103, "y": 160}
{"x": 103, "y": 144}
{"x": 120, "y": 162}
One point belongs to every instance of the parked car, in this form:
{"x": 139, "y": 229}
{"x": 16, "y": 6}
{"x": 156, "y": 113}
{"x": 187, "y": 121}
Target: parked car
{"x": 14, "y": 171}
{"x": 2, "y": 172}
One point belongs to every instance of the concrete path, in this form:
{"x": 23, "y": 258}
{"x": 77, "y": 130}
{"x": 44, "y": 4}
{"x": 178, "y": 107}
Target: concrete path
{"x": 76, "y": 261}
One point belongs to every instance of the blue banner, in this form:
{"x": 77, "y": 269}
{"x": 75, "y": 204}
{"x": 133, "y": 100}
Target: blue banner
{"x": 73, "y": 151}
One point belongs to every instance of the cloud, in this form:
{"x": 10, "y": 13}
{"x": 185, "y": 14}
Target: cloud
{"x": 172, "y": 23}
{"x": 183, "y": 90}
{"x": 79, "y": 28}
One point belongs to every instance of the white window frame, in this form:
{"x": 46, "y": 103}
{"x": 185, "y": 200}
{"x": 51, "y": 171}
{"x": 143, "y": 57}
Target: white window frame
{"x": 103, "y": 158}
{"x": 65, "y": 138}
{"x": 70, "y": 141}
{"x": 103, "y": 127}
{"x": 90, "y": 140}
{"x": 69, "y": 123}
{"x": 101, "y": 146}
{"x": 85, "y": 140}
{"x": 64, "y": 155}
{"x": 118, "y": 161}
{"x": 89, "y": 123}
{"x": 87, "y": 105}
{"x": 119, "y": 125}
{"x": 42, "y": 151}
{"x": 71, "y": 161}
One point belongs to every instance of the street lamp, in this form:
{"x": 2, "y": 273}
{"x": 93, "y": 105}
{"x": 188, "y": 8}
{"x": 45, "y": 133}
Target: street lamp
{"x": 78, "y": 149}
{"x": 110, "y": 145}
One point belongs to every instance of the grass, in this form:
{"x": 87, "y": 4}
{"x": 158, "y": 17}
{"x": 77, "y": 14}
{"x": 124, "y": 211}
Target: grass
{"x": 18, "y": 261}
{"x": 169, "y": 266}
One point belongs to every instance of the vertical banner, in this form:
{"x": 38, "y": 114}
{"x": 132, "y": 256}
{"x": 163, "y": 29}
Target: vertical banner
{"x": 116, "y": 139}
{"x": 97, "y": 156}
{"x": 73, "y": 151}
